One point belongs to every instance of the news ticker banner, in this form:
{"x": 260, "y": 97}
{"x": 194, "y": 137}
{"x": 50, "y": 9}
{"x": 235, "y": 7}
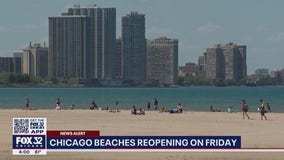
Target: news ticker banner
{"x": 30, "y": 137}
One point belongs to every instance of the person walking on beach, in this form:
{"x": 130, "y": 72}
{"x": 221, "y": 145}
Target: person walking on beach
{"x": 156, "y": 103}
{"x": 262, "y": 109}
{"x": 245, "y": 109}
{"x": 27, "y": 103}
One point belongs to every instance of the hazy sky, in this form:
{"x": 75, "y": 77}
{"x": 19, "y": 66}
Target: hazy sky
{"x": 197, "y": 24}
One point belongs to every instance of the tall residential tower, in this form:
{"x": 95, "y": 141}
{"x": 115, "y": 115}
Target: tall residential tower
{"x": 133, "y": 47}
{"x": 226, "y": 62}
{"x": 82, "y": 43}
{"x": 162, "y": 60}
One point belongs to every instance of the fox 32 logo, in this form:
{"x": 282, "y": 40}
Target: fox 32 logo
{"x": 29, "y": 142}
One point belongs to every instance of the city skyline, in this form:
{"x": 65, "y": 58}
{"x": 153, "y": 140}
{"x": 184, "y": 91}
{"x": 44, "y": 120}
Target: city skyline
{"x": 196, "y": 24}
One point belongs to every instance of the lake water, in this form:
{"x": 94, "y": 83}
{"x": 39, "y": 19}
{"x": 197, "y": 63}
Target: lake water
{"x": 192, "y": 98}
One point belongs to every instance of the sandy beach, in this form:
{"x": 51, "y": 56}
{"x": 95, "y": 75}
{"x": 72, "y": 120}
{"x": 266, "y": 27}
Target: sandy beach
{"x": 254, "y": 132}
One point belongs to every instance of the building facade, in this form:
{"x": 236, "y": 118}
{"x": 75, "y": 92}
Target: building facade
{"x": 82, "y": 43}
{"x": 226, "y": 62}
{"x": 190, "y": 69}
{"x": 35, "y": 60}
{"x": 262, "y": 72}
{"x": 214, "y": 63}
{"x": 133, "y": 47}
{"x": 6, "y": 64}
{"x": 162, "y": 60}
{"x": 118, "y": 59}
{"x": 67, "y": 47}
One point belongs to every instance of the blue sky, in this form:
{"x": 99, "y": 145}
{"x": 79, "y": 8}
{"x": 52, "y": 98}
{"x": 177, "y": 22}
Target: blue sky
{"x": 197, "y": 24}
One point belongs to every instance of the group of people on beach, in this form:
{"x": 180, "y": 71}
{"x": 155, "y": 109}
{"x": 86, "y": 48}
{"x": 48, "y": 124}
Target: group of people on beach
{"x": 261, "y": 109}
{"x": 134, "y": 111}
{"x": 179, "y": 108}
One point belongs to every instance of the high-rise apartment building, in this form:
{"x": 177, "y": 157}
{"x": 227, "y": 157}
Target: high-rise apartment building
{"x": 118, "y": 59}
{"x": 226, "y": 62}
{"x": 82, "y": 43}
{"x": 214, "y": 63}
{"x": 6, "y": 64}
{"x": 35, "y": 60}
{"x": 10, "y": 64}
{"x": 18, "y": 61}
{"x": 133, "y": 47}
{"x": 162, "y": 60}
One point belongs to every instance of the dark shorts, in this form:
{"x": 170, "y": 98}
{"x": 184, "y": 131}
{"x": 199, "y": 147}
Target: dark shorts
{"x": 262, "y": 112}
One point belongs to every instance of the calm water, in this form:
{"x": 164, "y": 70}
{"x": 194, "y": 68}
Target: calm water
{"x": 192, "y": 98}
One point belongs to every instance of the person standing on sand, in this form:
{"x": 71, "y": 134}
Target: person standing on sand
{"x": 156, "y": 103}
{"x": 58, "y": 107}
{"x": 148, "y": 105}
{"x": 27, "y": 102}
{"x": 262, "y": 109}
{"x": 245, "y": 109}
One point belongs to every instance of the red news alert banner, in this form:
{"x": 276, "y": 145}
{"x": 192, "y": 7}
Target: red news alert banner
{"x": 73, "y": 133}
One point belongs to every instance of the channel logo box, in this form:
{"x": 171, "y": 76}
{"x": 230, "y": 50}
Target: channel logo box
{"x": 29, "y": 136}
